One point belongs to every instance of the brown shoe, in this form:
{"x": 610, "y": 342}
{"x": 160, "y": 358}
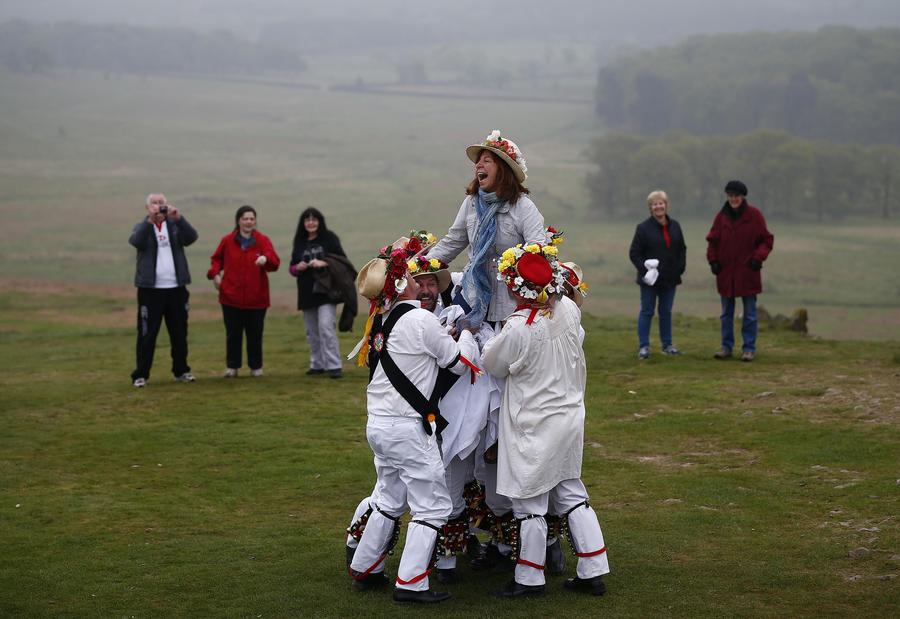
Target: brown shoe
{"x": 722, "y": 353}
{"x": 748, "y": 355}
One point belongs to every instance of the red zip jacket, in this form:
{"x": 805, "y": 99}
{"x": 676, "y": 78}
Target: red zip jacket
{"x": 733, "y": 243}
{"x": 245, "y": 285}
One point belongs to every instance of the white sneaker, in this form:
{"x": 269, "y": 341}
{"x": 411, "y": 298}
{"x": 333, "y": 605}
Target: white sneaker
{"x": 230, "y": 373}
{"x": 256, "y": 373}
{"x": 140, "y": 382}
{"x": 187, "y": 377}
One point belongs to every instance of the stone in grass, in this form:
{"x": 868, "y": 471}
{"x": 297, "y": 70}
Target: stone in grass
{"x": 859, "y": 553}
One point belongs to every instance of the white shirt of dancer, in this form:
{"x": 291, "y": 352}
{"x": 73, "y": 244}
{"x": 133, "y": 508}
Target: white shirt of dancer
{"x": 542, "y": 413}
{"x": 418, "y": 345}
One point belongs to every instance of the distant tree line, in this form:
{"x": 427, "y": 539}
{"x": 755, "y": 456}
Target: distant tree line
{"x": 838, "y": 83}
{"x": 789, "y": 177}
{"x": 27, "y": 47}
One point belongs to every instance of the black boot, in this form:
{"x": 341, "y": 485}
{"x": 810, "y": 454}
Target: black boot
{"x": 487, "y": 560}
{"x": 446, "y": 576}
{"x": 556, "y": 558}
{"x": 594, "y": 586}
{"x": 369, "y": 582}
{"x": 473, "y": 547}
{"x": 515, "y": 590}
{"x": 420, "y": 597}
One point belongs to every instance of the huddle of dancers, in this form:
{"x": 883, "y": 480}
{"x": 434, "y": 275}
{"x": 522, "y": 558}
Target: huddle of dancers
{"x": 476, "y": 399}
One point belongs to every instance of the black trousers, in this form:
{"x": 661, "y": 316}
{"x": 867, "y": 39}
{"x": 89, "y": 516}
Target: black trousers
{"x": 237, "y": 322}
{"x": 154, "y": 304}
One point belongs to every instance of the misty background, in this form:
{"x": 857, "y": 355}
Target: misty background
{"x": 364, "y": 109}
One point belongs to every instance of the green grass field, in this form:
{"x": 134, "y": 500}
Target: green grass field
{"x": 724, "y": 489}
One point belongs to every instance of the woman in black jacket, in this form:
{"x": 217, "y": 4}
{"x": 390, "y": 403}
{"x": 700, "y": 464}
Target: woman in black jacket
{"x": 313, "y": 243}
{"x": 658, "y": 253}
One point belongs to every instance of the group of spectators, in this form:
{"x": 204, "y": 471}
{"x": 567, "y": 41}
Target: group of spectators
{"x": 239, "y": 269}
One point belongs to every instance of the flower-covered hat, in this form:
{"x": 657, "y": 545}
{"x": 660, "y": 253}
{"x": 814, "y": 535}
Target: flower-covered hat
{"x": 532, "y": 271}
{"x": 575, "y": 282}
{"x": 382, "y": 279}
{"x": 420, "y": 265}
{"x": 505, "y": 149}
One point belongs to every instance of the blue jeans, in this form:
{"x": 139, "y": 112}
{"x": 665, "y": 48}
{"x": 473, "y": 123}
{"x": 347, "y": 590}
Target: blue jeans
{"x": 650, "y": 296}
{"x": 748, "y": 328}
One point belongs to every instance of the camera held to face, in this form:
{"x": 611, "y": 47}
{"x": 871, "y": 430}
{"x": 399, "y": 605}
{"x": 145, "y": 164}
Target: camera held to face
{"x": 164, "y": 209}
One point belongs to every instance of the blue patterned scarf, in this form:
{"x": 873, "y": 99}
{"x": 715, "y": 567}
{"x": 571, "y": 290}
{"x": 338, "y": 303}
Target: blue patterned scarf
{"x": 476, "y": 286}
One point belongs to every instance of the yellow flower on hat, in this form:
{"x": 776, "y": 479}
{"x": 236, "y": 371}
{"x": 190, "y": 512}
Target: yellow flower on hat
{"x": 435, "y": 263}
{"x": 533, "y": 248}
{"x": 509, "y": 255}
{"x": 412, "y": 266}
{"x": 550, "y": 250}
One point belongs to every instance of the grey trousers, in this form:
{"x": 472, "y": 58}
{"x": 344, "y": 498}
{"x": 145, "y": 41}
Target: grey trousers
{"x": 324, "y": 353}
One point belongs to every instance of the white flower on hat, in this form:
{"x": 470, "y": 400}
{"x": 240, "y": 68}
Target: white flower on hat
{"x": 494, "y": 136}
{"x": 400, "y": 285}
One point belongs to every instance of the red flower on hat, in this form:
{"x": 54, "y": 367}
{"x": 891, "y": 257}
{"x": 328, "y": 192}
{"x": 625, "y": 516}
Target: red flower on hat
{"x": 535, "y": 269}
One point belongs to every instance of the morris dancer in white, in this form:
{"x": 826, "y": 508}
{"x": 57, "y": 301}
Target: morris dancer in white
{"x": 408, "y": 348}
{"x": 465, "y": 407}
{"x": 542, "y": 421}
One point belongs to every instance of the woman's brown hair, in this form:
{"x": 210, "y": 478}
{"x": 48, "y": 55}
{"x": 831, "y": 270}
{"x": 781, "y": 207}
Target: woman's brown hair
{"x": 508, "y": 186}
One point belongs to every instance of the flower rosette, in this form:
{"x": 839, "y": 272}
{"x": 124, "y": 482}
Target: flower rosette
{"x": 555, "y": 237}
{"x": 509, "y": 273}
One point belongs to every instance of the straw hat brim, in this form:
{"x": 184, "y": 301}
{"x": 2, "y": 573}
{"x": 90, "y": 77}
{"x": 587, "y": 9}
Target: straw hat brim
{"x": 475, "y": 149}
{"x": 443, "y": 278}
{"x": 370, "y": 279}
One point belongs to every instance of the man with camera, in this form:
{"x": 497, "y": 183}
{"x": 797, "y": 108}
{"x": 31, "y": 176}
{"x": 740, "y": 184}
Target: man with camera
{"x": 161, "y": 277}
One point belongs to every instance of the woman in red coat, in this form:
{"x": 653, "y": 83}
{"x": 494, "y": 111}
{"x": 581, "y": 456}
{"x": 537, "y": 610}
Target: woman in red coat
{"x": 239, "y": 269}
{"x": 738, "y": 244}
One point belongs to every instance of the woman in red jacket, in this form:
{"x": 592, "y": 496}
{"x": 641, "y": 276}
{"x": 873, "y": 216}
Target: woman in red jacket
{"x": 239, "y": 269}
{"x": 738, "y": 244}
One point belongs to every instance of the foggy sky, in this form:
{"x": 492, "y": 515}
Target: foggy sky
{"x": 646, "y": 23}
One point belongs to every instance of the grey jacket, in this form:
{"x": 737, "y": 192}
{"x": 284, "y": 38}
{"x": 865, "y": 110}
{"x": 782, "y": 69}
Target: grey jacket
{"x": 181, "y": 234}
{"x": 516, "y": 223}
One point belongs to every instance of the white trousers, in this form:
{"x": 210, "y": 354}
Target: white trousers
{"x": 324, "y": 352}
{"x": 583, "y": 523}
{"x": 410, "y": 472}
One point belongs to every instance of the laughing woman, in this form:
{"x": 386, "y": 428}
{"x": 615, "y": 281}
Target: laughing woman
{"x": 239, "y": 269}
{"x": 496, "y": 214}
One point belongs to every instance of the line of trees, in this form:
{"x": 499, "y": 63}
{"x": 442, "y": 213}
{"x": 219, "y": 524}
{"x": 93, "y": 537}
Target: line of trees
{"x": 838, "y": 83}
{"x": 789, "y": 177}
{"x": 27, "y": 47}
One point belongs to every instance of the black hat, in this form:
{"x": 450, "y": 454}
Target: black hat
{"x": 736, "y": 187}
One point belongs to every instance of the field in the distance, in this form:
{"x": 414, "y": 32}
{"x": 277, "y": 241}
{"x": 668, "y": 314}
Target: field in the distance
{"x": 78, "y": 154}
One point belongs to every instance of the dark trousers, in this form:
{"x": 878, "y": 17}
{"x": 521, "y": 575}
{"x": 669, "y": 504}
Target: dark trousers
{"x": 154, "y": 304}
{"x": 238, "y": 321}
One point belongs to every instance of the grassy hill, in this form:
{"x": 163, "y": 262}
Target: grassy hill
{"x": 724, "y": 488}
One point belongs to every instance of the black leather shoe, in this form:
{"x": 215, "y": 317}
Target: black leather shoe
{"x": 516, "y": 590}
{"x": 420, "y": 597}
{"x": 489, "y": 558}
{"x": 312, "y": 372}
{"x": 372, "y": 581}
{"x": 473, "y": 547}
{"x": 335, "y": 374}
{"x": 556, "y": 559}
{"x": 594, "y": 586}
{"x": 446, "y": 576}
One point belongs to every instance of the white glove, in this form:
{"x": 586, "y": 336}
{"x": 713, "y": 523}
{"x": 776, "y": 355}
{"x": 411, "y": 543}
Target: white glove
{"x": 652, "y": 274}
{"x": 261, "y": 261}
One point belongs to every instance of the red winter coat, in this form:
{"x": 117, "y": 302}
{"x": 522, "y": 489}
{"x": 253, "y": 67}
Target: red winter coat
{"x": 244, "y": 285}
{"x": 733, "y": 243}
